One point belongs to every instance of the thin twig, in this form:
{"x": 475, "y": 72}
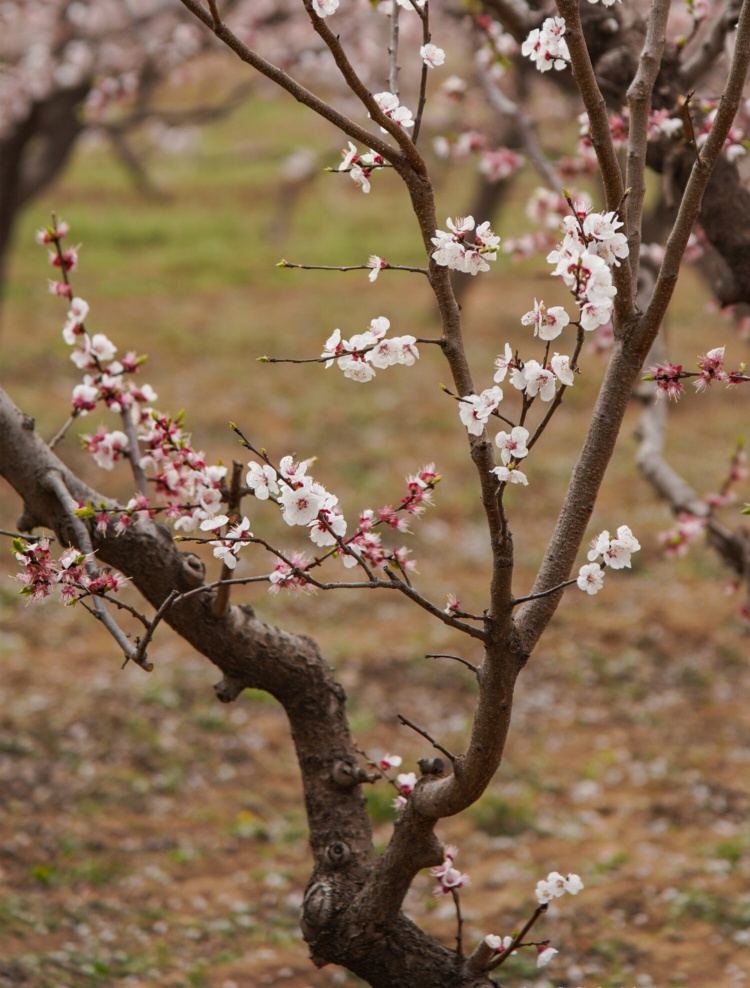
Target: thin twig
{"x": 421, "y": 102}
{"x": 459, "y": 923}
{"x": 393, "y": 51}
{"x": 351, "y": 267}
{"x": 435, "y": 744}
{"x": 639, "y": 102}
{"x": 140, "y": 653}
{"x": 456, "y": 658}
{"x": 221, "y": 601}
{"x": 544, "y": 593}
{"x": 302, "y": 95}
{"x": 27, "y": 538}
{"x": 60, "y": 434}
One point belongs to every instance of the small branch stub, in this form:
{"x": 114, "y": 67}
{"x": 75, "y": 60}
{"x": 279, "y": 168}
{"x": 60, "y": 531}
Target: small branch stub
{"x": 228, "y": 689}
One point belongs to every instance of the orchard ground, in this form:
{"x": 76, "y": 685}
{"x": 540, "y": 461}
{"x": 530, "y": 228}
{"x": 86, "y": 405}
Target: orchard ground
{"x": 152, "y": 837}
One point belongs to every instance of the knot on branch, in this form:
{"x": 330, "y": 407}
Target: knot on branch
{"x": 196, "y": 569}
{"x": 338, "y": 854}
{"x": 228, "y": 689}
{"x": 347, "y": 776}
{"x": 318, "y": 907}
{"x": 27, "y": 522}
{"x": 431, "y": 766}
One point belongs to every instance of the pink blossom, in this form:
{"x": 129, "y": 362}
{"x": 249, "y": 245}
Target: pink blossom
{"x": 475, "y": 410}
{"x": 499, "y": 164}
{"x": 711, "y": 367}
{"x": 85, "y": 396}
{"x": 512, "y": 445}
{"x": 504, "y": 362}
{"x": 66, "y": 259}
{"x": 534, "y": 380}
{"x": 376, "y": 264}
{"x": 406, "y": 782}
{"x": 453, "y": 252}
{"x": 449, "y": 879}
{"x": 59, "y": 288}
{"x": 498, "y": 944}
{"x": 290, "y": 575}
{"x": 399, "y": 557}
{"x": 328, "y": 527}
{"x": 688, "y": 529}
{"x": 50, "y": 233}
{"x": 547, "y": 323}
{"x": 432, "y": 56}
{"x": 590, "y": 578}
{"x": 510, "y": 475}
{"x": 545, "y": 954}
{"x": 615, "y": 552}
{"x": 667, "y": 377}
{"x": 389, "y": 105}
{"x": 77, "y": 313}
{"x": 389, "y": 761}
{"x": 546, "y": 46}
{"x": 324, "y": 8}
{"x": 560, "y": 365}
{"x": 261, "y": 479}
{"x": 301, "y": 504}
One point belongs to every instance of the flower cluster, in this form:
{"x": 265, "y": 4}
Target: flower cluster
{"x": 534, "y": 380}
{"x": 358, "y": 356}
{"x": 106, "y": 379}
{"x": 390, "y": 107}
{"x": 41, "y": 572}
{"x": 688, "y": 529}
{"x": 549, "y": 888}
{"x": 227, "y": 549}
{"x": 454, "y": 252}
{"x": 405, "y": 783}
{"x": 512, "y": 446}
{"x": 106, "y": 447}
{"x": 302, "y": 500}
{"x": 290, "y": 575}
{"x": 495, "y": 164}
{"x": 191, "y": 487}
{"x": 366, "y": 544}
{"x": 711, "y": 366}
{"x": 555, "y": 885}
{"x": 449, "y": 879}
{"x": 475, "y": 410}
{"x": 359, "y": 166}
{"x": 668, "y": 377}
{"x": 546, "y": 46}
{"x": 613, "y": 552}
{"x": 591, "y": 246}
